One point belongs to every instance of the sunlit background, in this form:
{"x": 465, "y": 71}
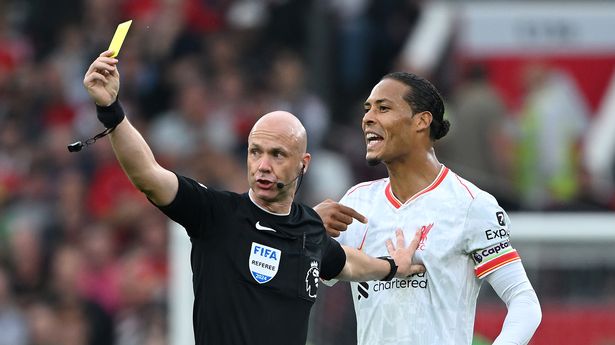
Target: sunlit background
{"x": 86, "y": 259}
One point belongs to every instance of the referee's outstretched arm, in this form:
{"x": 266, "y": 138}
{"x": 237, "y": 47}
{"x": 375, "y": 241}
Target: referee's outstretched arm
{"x": 102, "y": 81}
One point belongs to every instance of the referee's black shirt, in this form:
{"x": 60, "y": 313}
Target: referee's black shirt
{"x": 255, "y": 274}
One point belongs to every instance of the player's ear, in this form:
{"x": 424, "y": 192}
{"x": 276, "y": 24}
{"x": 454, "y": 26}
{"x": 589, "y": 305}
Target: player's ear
{"x": 423, "y": 120}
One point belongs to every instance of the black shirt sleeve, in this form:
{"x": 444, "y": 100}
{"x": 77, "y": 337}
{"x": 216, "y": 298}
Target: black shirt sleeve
{"x": 333, "y": 260}
{"x": 190, "y": 207}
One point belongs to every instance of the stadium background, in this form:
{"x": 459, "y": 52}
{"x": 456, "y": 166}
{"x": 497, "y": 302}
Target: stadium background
{"x": 84, "y": 259}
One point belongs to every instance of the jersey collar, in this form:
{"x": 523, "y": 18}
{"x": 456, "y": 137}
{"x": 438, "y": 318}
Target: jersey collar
{"x": 264, "y": 209}
{"x": 397, "y": 204}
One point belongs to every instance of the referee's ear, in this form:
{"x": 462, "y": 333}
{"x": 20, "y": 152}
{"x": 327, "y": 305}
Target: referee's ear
{"x": 305, "y": 162}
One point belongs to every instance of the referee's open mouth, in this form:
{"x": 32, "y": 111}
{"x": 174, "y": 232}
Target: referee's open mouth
{"x": 264, "y": 184}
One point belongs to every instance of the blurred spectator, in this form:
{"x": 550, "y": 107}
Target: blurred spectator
{"x": 227, "y": 173}
{"x": 353, "y": 30}
{"x": 370, "y": 35}
{"x": 329, "y": 175}
{"x": 204, "y": 16}
{"x": 551, "y": 126}
{"x": 101, "y": 17}
{"x": 15, "y": 160}
{"x": 290, "y": 94}
{"x": 13, "y": 325}
{"x": 152, "y": 238}
{"x": 51, "y": 156}
{"x": 176, "y": 133}
{"x": 111, "y": 196}
{"x": 15, "y": 46}
{"x": 287, "y": 24}
{"x": 223, "y": 53}
{"x": 138, "y": 321}
{"x": 44, "y": 21}
{"x": 478, "y": 146}
{"x": 55, "y": 109}
{"x": 599, "y": 149}
{"x": 232, "y": 113}
{"x": 43, "y": 324}
{"x": 26, "y": 259}
{"x": 99, "y": 280}
{"x": 68, "y": 59}
{"x": 83, "y": 321}
{"x": 70, "y": 213}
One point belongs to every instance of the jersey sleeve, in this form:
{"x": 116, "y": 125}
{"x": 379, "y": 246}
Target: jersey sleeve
{"x": 487, "y": 236}
{"x": 190, "y": 208}
{"x": 333, "y": 259}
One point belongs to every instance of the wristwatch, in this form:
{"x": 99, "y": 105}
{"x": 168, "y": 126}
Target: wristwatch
{"x": 393, "y": 267}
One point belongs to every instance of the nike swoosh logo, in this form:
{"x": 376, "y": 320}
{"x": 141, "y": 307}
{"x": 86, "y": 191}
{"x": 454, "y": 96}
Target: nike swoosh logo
{"x": 263, "y": 228}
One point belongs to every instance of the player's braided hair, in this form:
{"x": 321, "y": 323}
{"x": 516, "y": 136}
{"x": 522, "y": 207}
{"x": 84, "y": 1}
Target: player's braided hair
{"x": 423, "y": 96}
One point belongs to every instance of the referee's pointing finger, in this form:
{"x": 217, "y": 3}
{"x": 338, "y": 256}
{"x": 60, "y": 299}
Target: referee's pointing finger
{"x": 352, "y": 213}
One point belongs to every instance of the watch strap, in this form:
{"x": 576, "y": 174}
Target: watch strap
{"x": 393, "y": 270}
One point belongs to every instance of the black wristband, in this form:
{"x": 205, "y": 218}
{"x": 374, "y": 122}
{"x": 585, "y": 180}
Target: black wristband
{"x": 112, "y": 115}
{"x": 393, "y": 268}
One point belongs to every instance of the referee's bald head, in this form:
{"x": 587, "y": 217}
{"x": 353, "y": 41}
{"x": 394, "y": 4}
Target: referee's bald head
{"x": 282, "y": 125}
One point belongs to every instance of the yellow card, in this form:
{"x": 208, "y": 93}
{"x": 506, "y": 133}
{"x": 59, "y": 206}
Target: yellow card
{"x": 118, "y": 38}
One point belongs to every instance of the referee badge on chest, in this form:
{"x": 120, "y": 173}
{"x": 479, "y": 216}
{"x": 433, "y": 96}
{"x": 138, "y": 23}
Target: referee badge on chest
{"x": 264, "y": 262}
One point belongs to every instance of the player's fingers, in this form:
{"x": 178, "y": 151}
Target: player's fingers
{"x": 414, "y": 269}
{"x": 353, "y": 213}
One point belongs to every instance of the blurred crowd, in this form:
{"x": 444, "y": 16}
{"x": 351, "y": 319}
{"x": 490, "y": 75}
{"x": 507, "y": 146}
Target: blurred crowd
{"x": 83, "y": 255}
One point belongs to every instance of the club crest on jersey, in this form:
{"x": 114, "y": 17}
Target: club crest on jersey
{"x": 425, "y": 229}
{"x": 311, "y": 279}
{"x": 264, "y": 262}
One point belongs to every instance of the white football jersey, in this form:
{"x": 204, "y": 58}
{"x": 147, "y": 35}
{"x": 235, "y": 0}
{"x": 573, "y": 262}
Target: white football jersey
{"x": 464, "y": 238}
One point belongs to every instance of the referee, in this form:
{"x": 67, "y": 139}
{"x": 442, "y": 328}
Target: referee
{"x": 257, "y": 257}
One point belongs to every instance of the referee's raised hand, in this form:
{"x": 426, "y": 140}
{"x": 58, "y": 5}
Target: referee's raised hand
{"x": 102, "y": 79}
